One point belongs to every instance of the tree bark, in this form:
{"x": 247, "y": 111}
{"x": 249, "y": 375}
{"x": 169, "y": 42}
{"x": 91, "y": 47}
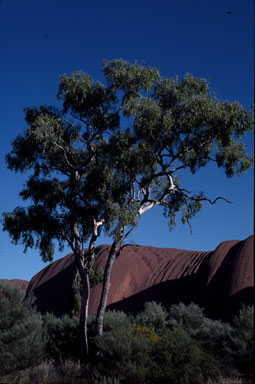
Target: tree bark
{"x": 115, "y": 249}
{"x": 83, "y": 329}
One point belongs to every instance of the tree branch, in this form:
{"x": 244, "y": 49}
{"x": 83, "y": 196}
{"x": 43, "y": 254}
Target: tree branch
{"x": 206, "y": 199}
{"x": 64, "y": 151}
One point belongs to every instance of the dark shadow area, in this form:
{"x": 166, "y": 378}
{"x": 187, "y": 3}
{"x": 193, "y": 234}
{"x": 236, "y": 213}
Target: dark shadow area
{"x": 55, "y": 294}
{"x": 186, "y": 290}
{"x": 231, "y": 306}
{"x": 217, "y": 292}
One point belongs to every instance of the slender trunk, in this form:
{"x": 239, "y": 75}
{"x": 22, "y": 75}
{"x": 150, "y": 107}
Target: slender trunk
{"x": 106, "y": 286}
{"x": 84, "y": 273}
{"x": 84, "y": 315}
{"x": 85, "y": 292}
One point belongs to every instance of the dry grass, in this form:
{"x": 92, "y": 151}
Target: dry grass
{"x": 70, "y": 372}
{"x": 67, "y": 372}
{"x": 231, "y": 380}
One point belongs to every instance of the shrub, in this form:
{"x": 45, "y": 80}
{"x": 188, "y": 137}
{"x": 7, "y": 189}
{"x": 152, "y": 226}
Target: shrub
{"x": 189, "y": 317}
{"x": 124, "y": 355}
{"x": 232, "y": 345}
{"x": 112, "y": 320}
{"x": 180, "y": 360}
{"x": 137, "y": 355}
{"x": 241, "y": 348}
{"x": 62, "y": 337}
{"x": 215, "y": 337}
{"x": 21, "y": 331}
{"x": 148, "y": 333}
{"x": 154, "y": 316}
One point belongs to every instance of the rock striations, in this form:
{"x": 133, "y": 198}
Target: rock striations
{"x": 216, "y": 280}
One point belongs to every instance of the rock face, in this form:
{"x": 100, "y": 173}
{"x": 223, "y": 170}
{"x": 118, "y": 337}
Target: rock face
{"x": 216, "y": 280}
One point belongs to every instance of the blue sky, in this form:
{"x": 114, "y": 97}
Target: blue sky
{"x": 42, "y": 39}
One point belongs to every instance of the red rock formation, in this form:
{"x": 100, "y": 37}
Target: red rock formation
{"x": 217, "y": 280}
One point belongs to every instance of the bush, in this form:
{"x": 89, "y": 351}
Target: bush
{"x": 154, "y": 316}
{"x": 21, "y": 331}
{"x": 137, "y": 355}
{"x": 180, "y": 360}
{"x": 215, "y": 337}
{"x": 61, "y": 337}
{"x": 241, "y": 349}
{"x": 125, "y": 355}
{"x": 232, "y": 345}
{"x": 112, "y": 320}
{"x": 190, "y": 317}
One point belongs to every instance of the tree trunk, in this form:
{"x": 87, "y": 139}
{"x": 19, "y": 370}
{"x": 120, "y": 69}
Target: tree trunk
{"x": 106, "y": 286}
{"x": 83, "y": 330}
{"x": 85, "y": 292}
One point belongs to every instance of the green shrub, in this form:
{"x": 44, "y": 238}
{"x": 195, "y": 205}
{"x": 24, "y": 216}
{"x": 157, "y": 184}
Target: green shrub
{"x": 241, "y": 349}
{"x": 215, "y": 337}
{"x": 180, "y": 360}
{"x": 124, "y": 355}
{"x": 232, "y": 345}
{"x": 21, "y": 331}
{"x": 137, "y": 355}
{"x": 62, "y": 337}
{"x": 189, "y": 317}
{"x": 112, "y": 319}
{"x": 153, "y": 316}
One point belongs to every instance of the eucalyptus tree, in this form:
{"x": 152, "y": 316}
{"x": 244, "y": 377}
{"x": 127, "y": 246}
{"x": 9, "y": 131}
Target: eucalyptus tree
{"x": 174, "y": 126}
{"x": 114, "y": 152}
{"x": 69, "y": 196}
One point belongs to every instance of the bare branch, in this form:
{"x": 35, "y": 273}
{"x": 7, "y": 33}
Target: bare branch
{"x": 206, "y": 199}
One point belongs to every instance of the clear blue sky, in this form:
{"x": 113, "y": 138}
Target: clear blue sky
{"x": 42, "y": 39}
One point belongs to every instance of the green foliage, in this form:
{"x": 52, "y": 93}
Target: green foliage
{"x": 166, "y": 342}
{"x": 135, "y": 354}
{"x": 215, "y": 337}
{"x": 112, "y": 320}
{"x": 153, "y": 316}
{"x": 232, "y": 345}
{"x": 241, "y": 348}
{"x": 124, "y": 354}
{"x": 21, "y": 331}
{"x": 189, "y": 317}
{"x": 61, "y": 337}
{"x": 95, "y": 277}
{"x": 180, "y": 360}
{"x": 75, "y": 295}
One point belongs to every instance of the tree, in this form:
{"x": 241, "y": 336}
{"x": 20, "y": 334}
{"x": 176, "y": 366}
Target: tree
{"x": 114, "y": 152}
{"x": 65, "y": 188}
